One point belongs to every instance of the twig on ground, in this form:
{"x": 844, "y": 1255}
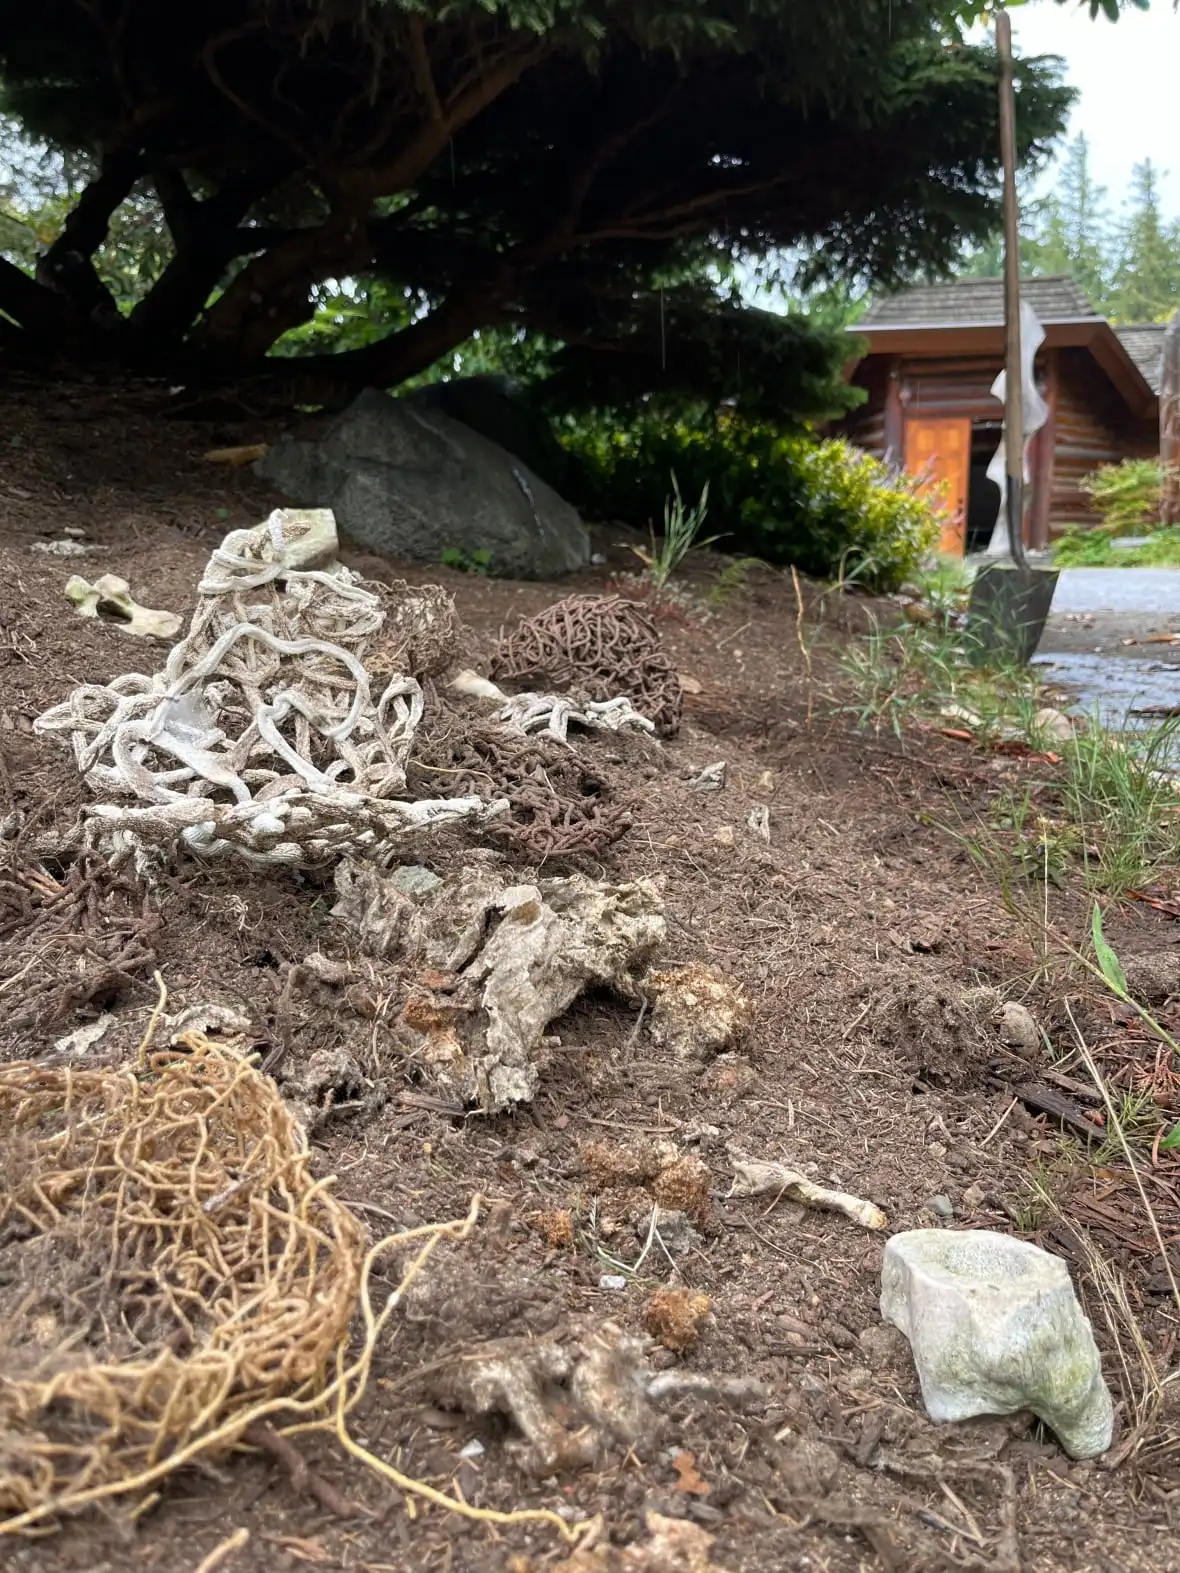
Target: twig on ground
{"x": 1000, "y": 1123}
{"x": 222, "y": 1552}
{"x": 804, "y": 651}
{"x": 304, "y": 1479}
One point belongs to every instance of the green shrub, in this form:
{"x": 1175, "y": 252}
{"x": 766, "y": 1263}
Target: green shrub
{"x": 823, "y": 506}
{"x": 1127, "y": 495}
{"x": 1079, "y": 547}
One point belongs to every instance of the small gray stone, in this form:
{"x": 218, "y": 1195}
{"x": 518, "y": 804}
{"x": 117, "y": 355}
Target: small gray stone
{"x": 674, "y": 1230}
{"x": 711, "y": 778}
{"x": 612, "y": 1281}
{"x": 414, "y": 880}
{"x": 995, "y": 1327}
{"x": 942, "y": 1206}
{"x": 1018, "y": 1028}
{"x": 1052, "y": 725}
{"x": 1153, "y": 976}
{"x": 881, "y": 1345}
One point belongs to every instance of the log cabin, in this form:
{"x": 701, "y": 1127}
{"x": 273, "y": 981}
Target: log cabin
{"x": 930, "y": 357}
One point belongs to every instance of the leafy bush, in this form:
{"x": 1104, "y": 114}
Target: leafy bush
{"x": 1127, "y": 495}
{"x": 825, "y": 507}
{"x": 1082, "y": 548}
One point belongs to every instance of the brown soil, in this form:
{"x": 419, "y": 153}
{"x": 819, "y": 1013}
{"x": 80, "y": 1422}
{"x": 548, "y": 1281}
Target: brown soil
{"x": 853, "y": 934}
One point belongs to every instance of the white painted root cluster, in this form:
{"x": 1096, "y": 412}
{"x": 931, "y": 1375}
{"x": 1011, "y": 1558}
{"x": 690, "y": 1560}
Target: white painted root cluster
{"x": 552, "y": 715}
{"x": 261, "y": 736}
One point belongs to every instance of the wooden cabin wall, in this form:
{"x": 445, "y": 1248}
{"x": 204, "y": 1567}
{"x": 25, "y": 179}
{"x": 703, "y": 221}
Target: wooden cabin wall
{"x": 952, "y": 386}
{"x": 1093, "y": 427}
{"x": 865, "y": 426}
{"x": 1091, "y": 424}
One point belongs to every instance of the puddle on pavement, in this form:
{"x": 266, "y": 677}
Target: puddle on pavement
{"x": 1115, "y": 687}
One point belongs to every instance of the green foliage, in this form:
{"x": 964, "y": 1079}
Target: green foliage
{"x": 38, "y": 189}
{"x": 826, "y": 507}
{"x": 1079, "y": 547}
{"x": 1121, "y": 793}
{"x": 1108, "y": 963}
{"x": 1074, "y": 232}
{"x": 1128, "y": 498}
{"x": 731, "y": 580}
{"x": 1145, "y": 286}
{"x": 462, "y": 560}
{"x": 1127, "y": 495}
{"x": 682, "y": 533}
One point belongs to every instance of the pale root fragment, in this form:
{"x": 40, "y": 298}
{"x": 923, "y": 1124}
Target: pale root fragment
{"x": 110, "y": 598}
{"x": 756, "y": 1178}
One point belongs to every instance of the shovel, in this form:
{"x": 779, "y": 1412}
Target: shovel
{"x": 1010, "y": 601}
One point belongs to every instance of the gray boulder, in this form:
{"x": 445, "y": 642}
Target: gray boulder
{"x": 499, "y": 409}
{"x": 414, "y": 483}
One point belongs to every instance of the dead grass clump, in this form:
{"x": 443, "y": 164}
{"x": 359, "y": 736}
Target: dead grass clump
{"x": 686, "y": 1186}
{"x": 230, "y": 1275}
{"x": 676, "y": 1318}
{"x": 612, "y": 1164}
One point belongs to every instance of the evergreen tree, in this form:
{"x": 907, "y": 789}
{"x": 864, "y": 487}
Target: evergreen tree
{"x": 579, "y": 170}
{"x": 1146, "y": 282}
{"x": 1071, "y": 232}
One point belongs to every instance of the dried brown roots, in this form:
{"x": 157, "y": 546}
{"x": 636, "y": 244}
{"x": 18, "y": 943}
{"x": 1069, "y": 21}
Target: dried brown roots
{"x": 596, "y": 647}
{"x": 231, "y": 1275}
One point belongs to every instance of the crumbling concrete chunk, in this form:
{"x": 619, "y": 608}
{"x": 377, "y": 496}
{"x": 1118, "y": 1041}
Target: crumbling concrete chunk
{"x": 569, "y": 1400}
{"x": 995, "y": 1327}
{"x": 513, "y": 958}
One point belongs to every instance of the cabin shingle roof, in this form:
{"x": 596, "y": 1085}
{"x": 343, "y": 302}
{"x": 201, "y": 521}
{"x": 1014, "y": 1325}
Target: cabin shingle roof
{"x": 1144, "y": 343}
{"x": 977, "y": 302}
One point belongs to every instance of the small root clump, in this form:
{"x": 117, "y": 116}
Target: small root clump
{"x": 676, "y": 1317}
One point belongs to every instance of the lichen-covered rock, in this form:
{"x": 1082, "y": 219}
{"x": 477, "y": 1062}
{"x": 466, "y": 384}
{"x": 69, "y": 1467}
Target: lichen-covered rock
{"x": 995, "y": 1327}
{"x": 1154, "y": 975}
{"x": 498, "y": 963}
{"x": 1018, "y": 1028}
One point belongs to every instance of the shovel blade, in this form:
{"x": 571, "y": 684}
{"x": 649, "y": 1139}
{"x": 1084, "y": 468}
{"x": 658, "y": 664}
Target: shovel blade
{"x": 1007, "y": 612}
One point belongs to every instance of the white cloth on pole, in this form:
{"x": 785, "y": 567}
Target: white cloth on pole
{"x": 1036, "y": 413}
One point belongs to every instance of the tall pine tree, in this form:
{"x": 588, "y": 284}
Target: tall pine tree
{"x": 1072, "y": 233}
{"x": 1146, "y": 277}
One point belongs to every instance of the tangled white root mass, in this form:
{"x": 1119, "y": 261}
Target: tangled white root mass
{"x": 262, "y": 735}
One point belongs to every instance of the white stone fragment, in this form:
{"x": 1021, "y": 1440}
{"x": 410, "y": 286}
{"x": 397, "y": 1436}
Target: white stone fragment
{"x": 995, "y": 1327}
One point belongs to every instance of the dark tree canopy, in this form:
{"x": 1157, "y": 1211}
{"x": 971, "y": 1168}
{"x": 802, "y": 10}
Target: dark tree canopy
{"x": 579, "y": 169}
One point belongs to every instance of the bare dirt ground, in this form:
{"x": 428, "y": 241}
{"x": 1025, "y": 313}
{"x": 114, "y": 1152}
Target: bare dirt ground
{"x": 853, "y": 932}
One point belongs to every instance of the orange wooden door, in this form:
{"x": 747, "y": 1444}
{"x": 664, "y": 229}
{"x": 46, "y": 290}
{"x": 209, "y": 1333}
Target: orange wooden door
{"x": 941, "y": 450}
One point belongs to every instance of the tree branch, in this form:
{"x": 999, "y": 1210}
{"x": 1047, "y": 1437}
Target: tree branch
{"x": 461, "y": 108}
{"x": 66, "y": 267}
{"x": 212, "y": 238}
{"x": 605, "y": 153}
{"x": 391, "y": 360}
{"x": 39, "y": 311}
{"x": 420, "y": 62}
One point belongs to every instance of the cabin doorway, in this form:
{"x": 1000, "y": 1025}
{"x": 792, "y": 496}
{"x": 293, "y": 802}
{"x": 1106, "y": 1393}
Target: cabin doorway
{"x": 939, "y": 451}
{"x": 983, "y": 495}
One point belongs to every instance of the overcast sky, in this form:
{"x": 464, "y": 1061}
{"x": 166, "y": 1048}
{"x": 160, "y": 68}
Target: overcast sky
{"x": 1128, "y": 74}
